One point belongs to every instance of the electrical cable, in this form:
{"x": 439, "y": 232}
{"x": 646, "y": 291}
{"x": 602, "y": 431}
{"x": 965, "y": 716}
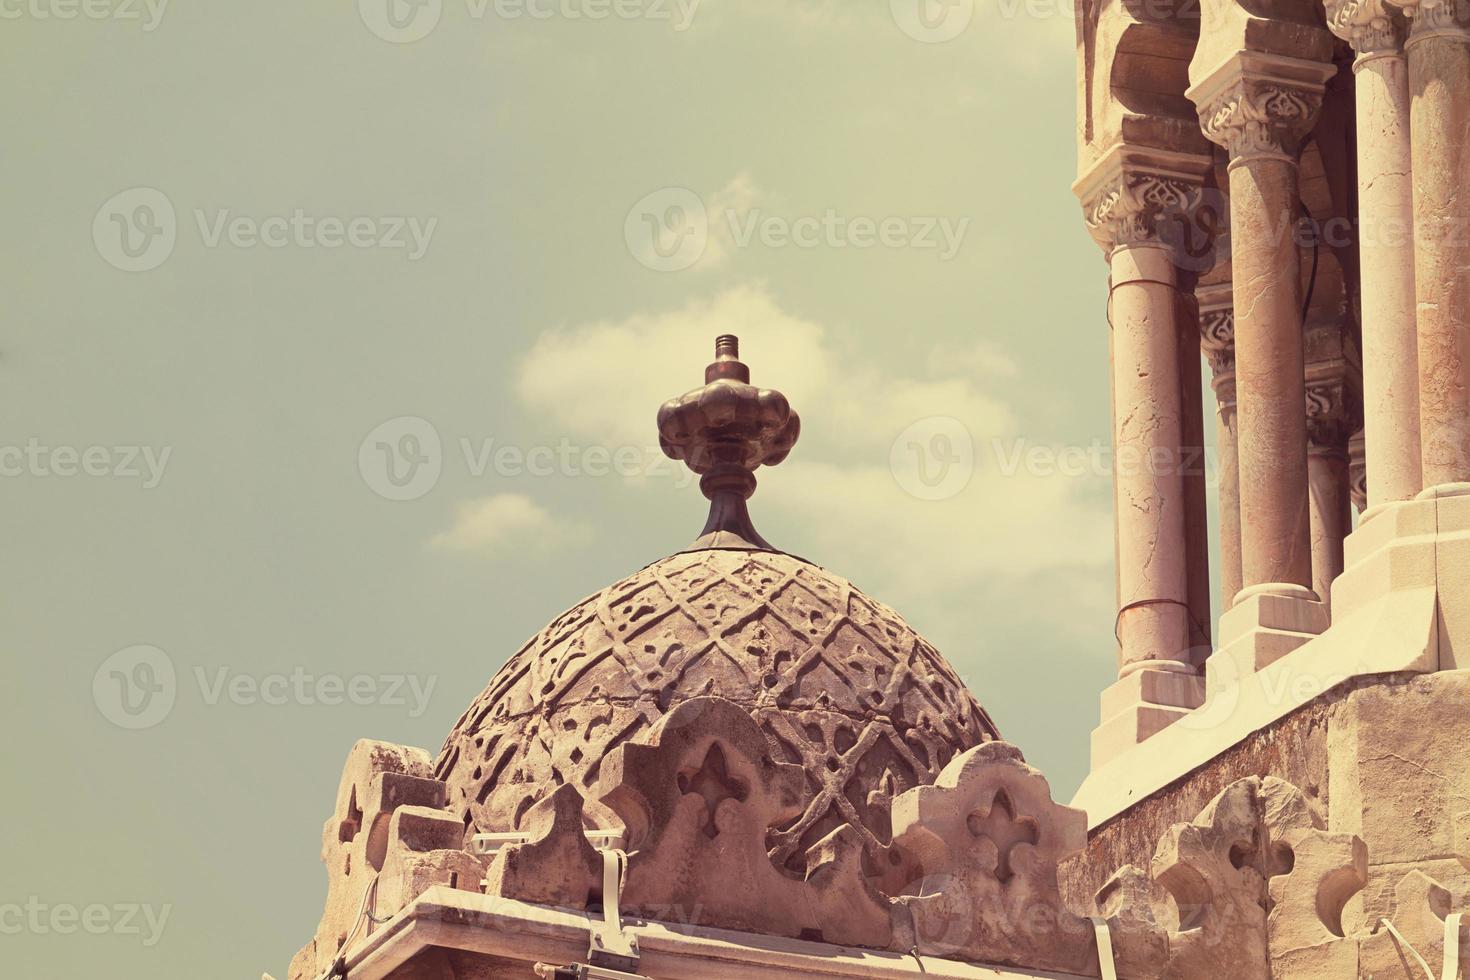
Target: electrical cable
{"x": 1316, "y": 255}
{"x": 338, "y": 969}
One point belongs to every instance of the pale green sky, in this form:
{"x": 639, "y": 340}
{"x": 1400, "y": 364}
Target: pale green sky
{"x": 523, "y": 151}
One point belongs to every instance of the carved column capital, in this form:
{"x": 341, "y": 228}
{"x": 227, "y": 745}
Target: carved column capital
{"x": 1370, "y": 26}
{"x": 1217, "y": 337}
{"x": 1217, "y": 340}
{"x": 1358, "y": 470}
{"x": 1137, "y": 196}
{"x": 1328, "y": 421}
{"x": 1436, "y": 18}
{"x": 1334, "y": 387}
{"x": 1258, "y": 105}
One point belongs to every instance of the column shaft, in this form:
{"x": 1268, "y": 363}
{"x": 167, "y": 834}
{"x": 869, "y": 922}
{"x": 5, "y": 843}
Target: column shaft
{"x": 1439, "y": 78}
{"x": 1217, "y": 338}
{"x": 1331, "y": 503}
{"x": 1193, "y": 477}
{"x": 1153, "y": 623}
{"x": 1386, "y": 244}
{"x": 1269, "y": 372}
{"x": 1231, "y": 577}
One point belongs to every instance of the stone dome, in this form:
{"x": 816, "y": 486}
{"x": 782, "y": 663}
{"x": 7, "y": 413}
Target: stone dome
{"x": 838, "y": 681}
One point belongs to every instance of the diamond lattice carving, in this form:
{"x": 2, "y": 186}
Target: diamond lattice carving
{"x": 838, "y": 682}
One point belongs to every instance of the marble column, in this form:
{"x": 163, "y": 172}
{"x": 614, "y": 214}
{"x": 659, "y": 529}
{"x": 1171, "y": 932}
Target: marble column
{"x": 1194, "y": 477}
{"x": 1438, "y": 51}
{"x": 1260, "y": 108}
{"x": 1135, "y": 203}
{"x": 1386, "y": 246}
{"x": 1217, "y": 338}
{"x": 1328, "y": 431}
{"x": 1153, "y": 618}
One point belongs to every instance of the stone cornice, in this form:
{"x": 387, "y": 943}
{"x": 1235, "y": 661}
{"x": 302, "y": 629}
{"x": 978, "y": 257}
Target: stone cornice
{"x": 1255, "y": 104}
{"x": 1370, "y": 26}
{"x": 1138, "y": 195}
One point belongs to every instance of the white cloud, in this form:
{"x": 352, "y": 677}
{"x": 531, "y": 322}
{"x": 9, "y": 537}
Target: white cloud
{"x": 724, "y": 209}
{"x": 595, "y": 379}
{"x": 978, "y": 358}
{"x": 1001, "y": 540}
{"x": 507, "y": 523}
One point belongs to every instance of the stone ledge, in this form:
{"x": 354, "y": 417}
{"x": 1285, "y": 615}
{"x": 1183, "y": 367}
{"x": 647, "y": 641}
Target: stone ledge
{"x": 1403, "y": 599}
{"x": 507, "y": 937}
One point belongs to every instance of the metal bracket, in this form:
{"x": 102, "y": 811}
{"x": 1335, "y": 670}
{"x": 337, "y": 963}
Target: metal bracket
{"x": 1105, "y": 948}
{"x": 611, "y": 946}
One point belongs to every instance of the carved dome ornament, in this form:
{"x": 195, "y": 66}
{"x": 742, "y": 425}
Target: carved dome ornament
{"x": 837, "y": 682}
{"x": 724, "y": 431}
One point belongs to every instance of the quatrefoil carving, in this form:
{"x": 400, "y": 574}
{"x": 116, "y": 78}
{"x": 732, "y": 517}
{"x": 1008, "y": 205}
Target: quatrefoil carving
{"x": 1002, "y": 827}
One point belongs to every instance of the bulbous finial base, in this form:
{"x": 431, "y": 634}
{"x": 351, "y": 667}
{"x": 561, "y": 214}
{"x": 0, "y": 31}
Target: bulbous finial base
{"x": 724, "y": 431}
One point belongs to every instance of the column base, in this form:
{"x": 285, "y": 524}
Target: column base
{"x": 1401, "y": 607}
{"x": 1142, "y": 704}
{"x": 1265, "y": 624}
{"x": 1444, "y": 490}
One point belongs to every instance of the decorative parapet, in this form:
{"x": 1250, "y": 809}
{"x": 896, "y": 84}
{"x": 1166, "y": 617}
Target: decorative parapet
{"x": 1257, "y": 888}
{"x": 988, "y": 838}
{"x": 387, "y": 842}
{"x": 1253, "y": 889}
{"x": 556, "y": 864}
{"x": 698, "y": 801}
{"x": 1418, "y": 915}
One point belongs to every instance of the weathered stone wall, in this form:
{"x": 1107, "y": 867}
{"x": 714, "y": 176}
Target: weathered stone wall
{"x": 1387, "y": 758}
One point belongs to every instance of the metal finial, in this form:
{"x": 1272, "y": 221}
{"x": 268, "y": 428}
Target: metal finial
{"x": 724, "y": 431}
